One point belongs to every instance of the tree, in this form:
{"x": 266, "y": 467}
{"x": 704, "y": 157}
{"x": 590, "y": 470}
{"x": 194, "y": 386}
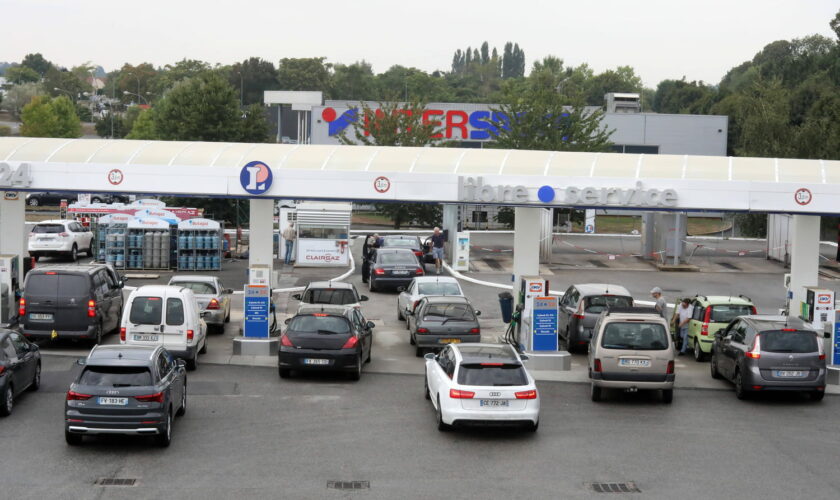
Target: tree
{"x": 354, "y": 82}
{"x": 254, "y": 124}
{"x": 21, "y": 74}
{"x": 203, "y": 108}
{"x": 59, "y": 82}
{"x": 835, "y": 25}
{"x": 46, "y": 117}
{"x": 19, "y": 96}
{"x": 37, "y": 63}
{"x": 622, "y": 79}
{"x": 308, "y": 73}
{"x": 143, "y": 127}
{"x": 679, "y": 96}
{"x": 252, "y": 77}
{"x": 392, "y": 124}
{"x": 140, "y": 80}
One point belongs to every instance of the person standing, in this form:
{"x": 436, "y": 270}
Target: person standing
{"x": 289, "y": 235}
{"x": 438, "y": 244}
{"x": 661, "y": 305}
{"x": 683, "y": 317}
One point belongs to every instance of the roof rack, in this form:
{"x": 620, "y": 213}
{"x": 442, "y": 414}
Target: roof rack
{"x": 632, "y": 310}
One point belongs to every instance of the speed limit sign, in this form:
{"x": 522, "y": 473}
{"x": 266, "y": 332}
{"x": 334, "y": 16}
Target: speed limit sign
{"x": 803, "y": 196}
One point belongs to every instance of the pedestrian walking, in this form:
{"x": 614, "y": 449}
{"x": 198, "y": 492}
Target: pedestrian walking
{"x": 438, "y": 243}
{"x": 683, "y": 317}
{"x": 661, "y": 305}
{"x": 289, "y": 235}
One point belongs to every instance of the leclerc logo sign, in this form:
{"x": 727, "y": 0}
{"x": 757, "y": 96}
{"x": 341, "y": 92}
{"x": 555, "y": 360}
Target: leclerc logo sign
{"x": 256, "y": 177}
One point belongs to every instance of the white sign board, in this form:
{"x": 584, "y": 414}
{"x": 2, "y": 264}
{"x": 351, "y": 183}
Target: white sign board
{"x": 317, "y": 253}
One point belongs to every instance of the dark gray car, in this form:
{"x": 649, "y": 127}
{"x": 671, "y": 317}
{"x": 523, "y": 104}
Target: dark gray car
{"x": 20, "y": 368}
{"x": 441, "y": 320}
{"x": 125, "y": 389}
{"x": 769, "y": 353}
{"x": 580, "y": 307}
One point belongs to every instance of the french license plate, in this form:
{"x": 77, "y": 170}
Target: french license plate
{"x": 789, "y": 373}
{"x": 635, "y": 363}
{"x": 399, "y": 273}
{"x": 494, "y": 403}
{"x": 450, "y": 341}
{"x": 46, "y": 239}
{"x": 315, "y": 361}
{"x": 113, "y": 401}
{"x": 146, "y": 338}
{"x": 40, "y": 317}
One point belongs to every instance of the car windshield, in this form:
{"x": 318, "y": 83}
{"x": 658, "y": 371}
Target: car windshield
{"x": 478, "y": 374}
{"x": 317, "y": 323}
{"x": 48, "y": 229}
{"x": 146, "y": 311}
{"x": 329, "y": 296}
{"x": 725, "y": 313}
{"x": 789, "y": 342}
{"x": 599, "y": 303}
{"x": 635, "y": 336}
{"x": 116, "y": 376}
{"x": 198, "y": 287}
{"x": 397, "y": 258}
{"x": 441, "y": 312}
{"x": 438, "y": 289}
{"x": 400, "y": 242}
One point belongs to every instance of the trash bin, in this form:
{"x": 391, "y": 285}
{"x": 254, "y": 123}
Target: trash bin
{"x": 506, "y": 305}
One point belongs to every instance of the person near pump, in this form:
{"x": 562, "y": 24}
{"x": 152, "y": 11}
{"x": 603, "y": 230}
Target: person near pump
{"x": 661, "y": 306}
{"x": 289, "y": 234}
{"x": 682, "y": 318}
{"x": 438, "y": 242}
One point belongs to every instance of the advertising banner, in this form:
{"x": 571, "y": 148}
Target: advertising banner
{"x": 322, "y": 253}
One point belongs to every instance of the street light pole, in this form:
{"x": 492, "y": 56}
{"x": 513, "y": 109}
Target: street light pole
{"x": 241, "y": 90}
{"x": 145, "y": 101}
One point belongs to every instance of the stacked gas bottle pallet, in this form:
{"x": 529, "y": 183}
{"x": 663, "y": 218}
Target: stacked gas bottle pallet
{"x": 199, "y": 245}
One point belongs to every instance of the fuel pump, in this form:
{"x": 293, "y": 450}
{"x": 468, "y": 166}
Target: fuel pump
{"x": 536, "y": 326}
{"x": 257, "y": 324}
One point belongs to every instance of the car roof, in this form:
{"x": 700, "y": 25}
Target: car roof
{"x": 127, "y": 355}
{"x": 159, "y": 289}
{"x": 333, "y": 309}
{"x": 330, "y": 284}
{"x": 619, "y": 313}
{"x": 446, "y": 299}
{"x": 717, "y": 300}
{"x": 763, "y": 322}
{"x": 435, "y": 279}
{"x": 79, "y": 268}
{"x": 601, "y": 289}
{"x": 198, "y": 278}
{"x": 394, "y": 250}
{"x": 55, "y": 221}
{"x": 400, "y": 236}
{"x": 481, "y": 352}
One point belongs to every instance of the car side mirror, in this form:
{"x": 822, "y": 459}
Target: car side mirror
{"x": 181, "y": 363}
{"x": 364, "y": 298}
{"x": 33, "y": 347}
{"x": 228, "y": 291}
{"x": 370, "y": 324}
{"x": 297, "y": 296}
{"x": 524, "y": 357}
{"x": 409, "y": 312}
{"x": 205, "y": 314}
{"x": 478, "y": 313}
{"x": 288, "y": 320}
{"x": 430, "y": 356}
{"x": 400, "y": 288}
{"x": 81, "y": 361}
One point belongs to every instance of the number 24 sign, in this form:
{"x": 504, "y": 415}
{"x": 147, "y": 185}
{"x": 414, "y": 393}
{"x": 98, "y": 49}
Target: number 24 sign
{"x": 15, "y": 177}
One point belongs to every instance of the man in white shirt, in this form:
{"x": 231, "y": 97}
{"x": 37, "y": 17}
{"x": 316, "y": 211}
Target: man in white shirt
{"x": 289, "y": 235}
{"x": 683, "y": 317}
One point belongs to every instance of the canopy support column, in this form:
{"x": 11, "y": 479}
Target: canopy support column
{"x": 261, "y": 234}
{"x": 804, "y": 257}
{"x": 13, "y": 228}
{"x": 526, "y": 244}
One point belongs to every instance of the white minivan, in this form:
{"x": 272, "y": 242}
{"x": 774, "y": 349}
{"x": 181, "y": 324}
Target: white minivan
{"x": 168, "y": 316}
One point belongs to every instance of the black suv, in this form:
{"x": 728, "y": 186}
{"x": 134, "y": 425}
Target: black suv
{"x": 71, "y": 301}
{"x": 126, "y": 389}
{"x": 40, "y": 198}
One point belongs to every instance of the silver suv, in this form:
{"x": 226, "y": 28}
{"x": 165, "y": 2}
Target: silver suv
{"x": 631, "y": 350}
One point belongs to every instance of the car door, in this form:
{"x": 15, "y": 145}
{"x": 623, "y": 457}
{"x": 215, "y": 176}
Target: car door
{"x": 730, "y": 343}
{"x": 26, "y": 357}
{"x": 437, "y": 372}
{"x": 563, "y": 312}
{"x": 405, "y": 297}
{"x": 114, "y": 294}
{"x": 102, "y": 296}
{"x": 16, "y": 368}
{"x": 696, "y": 321}
{"x": 365, "y": 333}
{"x": 224, "y": 297}
{"x": 415, "y": 314}
{"x": 169, "y": 378}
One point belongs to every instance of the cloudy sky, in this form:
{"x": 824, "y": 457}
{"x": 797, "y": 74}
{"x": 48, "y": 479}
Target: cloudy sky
{"x": 661, "y": 39}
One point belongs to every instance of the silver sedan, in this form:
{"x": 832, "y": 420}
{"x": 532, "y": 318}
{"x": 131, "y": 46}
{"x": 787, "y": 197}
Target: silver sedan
{"x": 211, "y": 295}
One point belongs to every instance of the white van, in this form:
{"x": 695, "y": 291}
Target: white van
{"x": 167, "y": 316}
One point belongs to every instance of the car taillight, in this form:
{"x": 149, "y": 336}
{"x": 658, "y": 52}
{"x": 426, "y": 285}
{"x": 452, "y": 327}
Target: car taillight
{"x": 755, "y": 350}
{"x": 75, "y": 396}
{"x": 707, "y": 318}
{"x": 285, "y": 342}
{"x": 419, "y": 272}
{"x": 351, "y": 342}
{"x": 475, "y": 330}
{"x": 670, "y": 368}
{"x": 456, "y": 394}
{"x": 597, "y": 366}
{"x": 22, "y": 307}
{"x": 753, "y": 309}
{"x": 2, "y": 369}
{"x": 190, "y": 334}
{"x": 415, "y": 305}
{"x": 822, "y": 356}
{"x": 64, "y": 235}
{"x": 379, "y": 272}
{"x": 122, "y": 334}
{"x": 418, "y": 253}
{"x": 532, "y": 394}
{"x": 214, "y": 304}
{"x": 422, "y": 330}
{"x": 91, "y": 309}
{"x": 151, "y": 398}
{"x": 579, "y": 314}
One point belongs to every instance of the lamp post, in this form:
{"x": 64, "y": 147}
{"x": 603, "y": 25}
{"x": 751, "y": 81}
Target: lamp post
{"x": 241, "y": 89}
{"x": 145, "y": 101}
{"x": 69, "y": 94}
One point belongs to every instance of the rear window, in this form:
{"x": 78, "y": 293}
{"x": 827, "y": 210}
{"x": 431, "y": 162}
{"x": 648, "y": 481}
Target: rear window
{"x": 400, "y": 242}
{"x": 329, "y": 296}
{"x": 197, "y": 287}
{"x": 438, "y": 289}
{"x": 600, "y": 303}
{"x": 116, "y": 376}
{"x": 792, "y": 342}
{"x": 477, "y": 374}
{"x": 440, "y": 312}
{"x": 48, "y": 229}
{"x": 174, "y": 312}
{"x": 399, "y": 258}
{"x": 62, "y": 285}
{"x": 725, "y": 313}
{"x": 635, "y": 336}
{"x": 146, "y": 311}
{"x": 319, "y": 324}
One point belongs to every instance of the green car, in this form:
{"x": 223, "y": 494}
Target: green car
{"x": 709, "y": 314}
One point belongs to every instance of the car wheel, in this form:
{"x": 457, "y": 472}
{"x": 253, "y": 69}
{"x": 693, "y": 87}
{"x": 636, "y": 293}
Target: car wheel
{"x": 357, "y": 373}
{"x": 740, "y": 391}
{"x": 698, "y": 353}
{"x": 817, "y": 395}
{"x": 36, "y": 380}
{"x": 439, "y": 413}
{"x": 74, "y": 253}
{"x": 183, "y": 408}
{"x": 400, "y": 316}
{"x": 165, "y": 437}
{"x": 192, "y": 364}
{"x": 595, "y": 393}
{"x": 418, "y": 352}
{"x": 371, "y": 286}
{"x": 426, "y": 387}
{"x": 227, "y": 318}
{"x": 97, "y": 337}
{"x": 411, "y": 340}
{"x": 533, "y": 427}
{"x": 7, "y": 401}
{"x": 33, "y": 202}
{"x": 72, "y": 439}
{"x": 370, "y": 354}
{"x": 90, "y": 249}
{"x": 284, "y": 372}
{"x": 203, "y": 347}
{"x": 713, "y": 367}
{"x": 667, "y": 396}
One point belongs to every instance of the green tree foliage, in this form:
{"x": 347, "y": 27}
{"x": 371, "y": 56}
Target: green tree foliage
{"x": 252, "y": 77}
{"x": 835, "y": 25}
{"x": 143, "y": 126}
{"x": 412, "y": 84}
{"x": 37, "y": 63}
{"x": 46, "y": 117}
{"x": 142, "y": 80}
{"x": 622, "y": 79}
{"x": 21, "y": 74}
{"x": 513, "y": 61}
{"x": 19, "y": 96}
{"x": 680, "y": 96}
{"x": 354, "y": 82}
{"x": 203, "y": 108}
{"x": 308, "y": 73}
{"x": 58, "y": 82}
{"x": 254, "y": 124}
{"x": 392, "y": 124}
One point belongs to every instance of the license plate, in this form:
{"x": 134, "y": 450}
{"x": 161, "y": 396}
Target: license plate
{"x": 789, "y": 373}
{"x": 399, "y": 273}
{"x": 450, "y": 341}
{"x": 635, "y": 363}
{"x": 146, "y": 338}
{"x": 113, "y": 401}
{"x": 45, "y": 239}
{"x": 40, "y": 317}
{"x": 315, "y": 361}
{"x": 494, "y": 403}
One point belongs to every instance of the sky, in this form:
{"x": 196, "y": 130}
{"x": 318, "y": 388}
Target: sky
{"x": 700, "y": 40}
